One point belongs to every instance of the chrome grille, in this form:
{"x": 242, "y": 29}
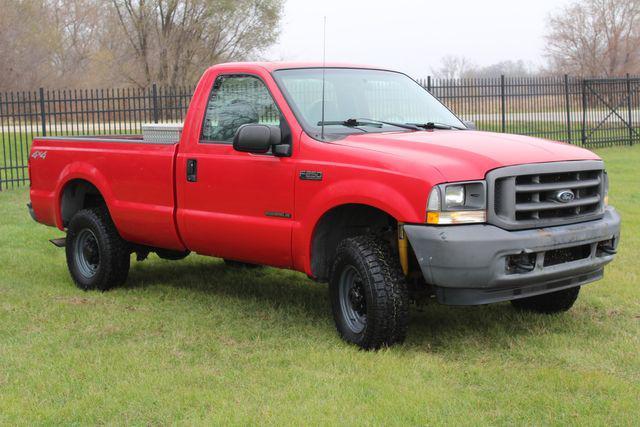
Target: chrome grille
{"x": 546, "y": 194}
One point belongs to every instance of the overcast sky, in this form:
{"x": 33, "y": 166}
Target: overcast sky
{"x": 412, "y": 35}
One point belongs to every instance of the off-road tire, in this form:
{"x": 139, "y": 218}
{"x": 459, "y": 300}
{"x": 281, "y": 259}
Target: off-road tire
{"x": 554, "y": 302}
{"x": 385, "y": 292}
{"x": 113, "y": 252}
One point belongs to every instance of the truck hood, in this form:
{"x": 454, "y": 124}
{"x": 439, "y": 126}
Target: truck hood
{"x": 466, "y": 155}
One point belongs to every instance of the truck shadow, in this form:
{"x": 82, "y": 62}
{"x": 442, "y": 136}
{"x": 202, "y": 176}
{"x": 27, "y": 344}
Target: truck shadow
{"x": 292, "y": 298}
{"x": 209, "y": 278}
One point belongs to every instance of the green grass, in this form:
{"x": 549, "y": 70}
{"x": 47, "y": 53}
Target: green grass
{"x": 196, "y": 342}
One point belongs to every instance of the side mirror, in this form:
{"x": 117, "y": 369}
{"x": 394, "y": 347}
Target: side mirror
{"x": 469, "y": 124}
{"x": 255, "y": 138}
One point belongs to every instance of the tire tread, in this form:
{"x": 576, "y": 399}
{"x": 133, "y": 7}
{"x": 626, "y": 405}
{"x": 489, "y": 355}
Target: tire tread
{"x": 115, "y": 259}
{"x": 387, "y": 319}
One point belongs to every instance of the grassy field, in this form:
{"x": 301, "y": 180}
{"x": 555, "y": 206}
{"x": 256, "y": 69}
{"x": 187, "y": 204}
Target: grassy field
{"x": 196, "y": 342}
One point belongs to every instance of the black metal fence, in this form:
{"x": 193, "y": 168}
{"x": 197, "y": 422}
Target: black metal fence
{"x": 26, "y": 115}
{"x": 589, "y": 112}
{"x": 593, "y": 113}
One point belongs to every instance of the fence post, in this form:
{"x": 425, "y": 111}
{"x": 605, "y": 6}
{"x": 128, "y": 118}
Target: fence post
{"x": 584, "y": 112}
{"x": 568, "y": 105}
{"x": 629, "y": 109}
{"x": 155, "y": 103}
{"x": 429, "y": 83}
{"x": 42, "y": 114}
{"x": 503, "y": 96}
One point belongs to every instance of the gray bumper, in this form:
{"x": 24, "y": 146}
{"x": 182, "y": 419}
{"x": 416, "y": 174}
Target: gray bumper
{"x": 467, "y": 264}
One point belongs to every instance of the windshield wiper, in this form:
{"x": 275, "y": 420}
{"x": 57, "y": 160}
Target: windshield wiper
{"x": 351, "y": 123}
{"x": 378, "y": 124}
{"x": 433, "y": 125}
{"x": 369, "y": 122}
{"x": 399, "y": 125}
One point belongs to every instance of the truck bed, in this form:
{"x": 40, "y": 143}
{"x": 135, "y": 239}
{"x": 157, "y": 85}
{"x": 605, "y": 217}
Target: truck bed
{"x": 136, "y": 177}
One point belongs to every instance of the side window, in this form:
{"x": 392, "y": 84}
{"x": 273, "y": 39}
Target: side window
{"x": 237, "y": 100}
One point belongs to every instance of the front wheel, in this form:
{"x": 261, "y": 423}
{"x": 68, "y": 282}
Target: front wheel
{"x": 554, "y": 302}
{"x": 97, "y": 257}
{"x": 369, "y": 297}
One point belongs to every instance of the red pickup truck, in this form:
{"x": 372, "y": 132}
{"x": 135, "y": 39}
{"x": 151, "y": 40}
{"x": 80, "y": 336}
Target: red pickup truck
{"x": 355, "y": 176}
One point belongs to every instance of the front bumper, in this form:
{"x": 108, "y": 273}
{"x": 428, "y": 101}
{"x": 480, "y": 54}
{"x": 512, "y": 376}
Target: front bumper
{"x": 471, "y": 264}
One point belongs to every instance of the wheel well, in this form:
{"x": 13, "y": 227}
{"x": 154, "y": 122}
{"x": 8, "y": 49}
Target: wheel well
{"x": 342, "y": 222}
{"x": 78, "y": 194}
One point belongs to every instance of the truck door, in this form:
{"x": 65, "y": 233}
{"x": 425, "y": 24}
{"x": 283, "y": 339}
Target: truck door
{"x": 236, "y": 205}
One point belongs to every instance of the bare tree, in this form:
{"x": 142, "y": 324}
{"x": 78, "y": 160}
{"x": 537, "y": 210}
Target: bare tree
{"x": 77, "y": 25}
{"x": 595, "y": 37}
{"x": 58, "y": 43}
{"x": 25, "y": 44}
{"x": 453, "y": 67}
{"x": 517, "y": 68}
{"x": 172, "y": 41}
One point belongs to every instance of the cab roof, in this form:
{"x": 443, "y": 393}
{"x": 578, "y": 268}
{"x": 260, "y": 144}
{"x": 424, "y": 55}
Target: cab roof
{"x": 286, "y": 65}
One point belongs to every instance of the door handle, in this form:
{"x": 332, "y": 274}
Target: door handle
{"x": 192, "y": 170}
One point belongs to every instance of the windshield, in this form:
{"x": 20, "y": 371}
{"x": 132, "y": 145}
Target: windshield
{"x": 361, "y": 100}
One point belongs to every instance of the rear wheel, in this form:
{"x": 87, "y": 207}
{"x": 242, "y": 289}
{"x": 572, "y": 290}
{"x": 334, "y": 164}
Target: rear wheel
{"x": 97, "y": 257}
{"x": 554, "y": 302}
{"x": 369, "y": 297}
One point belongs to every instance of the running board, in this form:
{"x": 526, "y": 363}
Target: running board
{"x": 60, "y": 243}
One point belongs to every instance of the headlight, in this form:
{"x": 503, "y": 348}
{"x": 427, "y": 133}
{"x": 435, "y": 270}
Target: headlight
{"x": 457, "y": 203}
{"x": 454, "y": 195}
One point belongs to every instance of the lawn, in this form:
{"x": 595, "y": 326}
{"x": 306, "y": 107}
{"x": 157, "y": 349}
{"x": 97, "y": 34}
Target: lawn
{"x": 196, "y": 342}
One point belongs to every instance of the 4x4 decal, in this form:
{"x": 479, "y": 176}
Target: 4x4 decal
{"x": 39, "y": 155}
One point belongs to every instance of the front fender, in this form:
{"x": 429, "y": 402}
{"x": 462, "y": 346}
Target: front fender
{"x": 379, "y": 194}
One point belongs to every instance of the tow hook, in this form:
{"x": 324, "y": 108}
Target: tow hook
{"x": 523, "y": 262}
{"x": 607, "y": 247}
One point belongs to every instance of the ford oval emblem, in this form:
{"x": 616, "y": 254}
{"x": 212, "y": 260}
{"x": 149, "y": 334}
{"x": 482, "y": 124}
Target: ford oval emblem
{"x": 565, "y": 196}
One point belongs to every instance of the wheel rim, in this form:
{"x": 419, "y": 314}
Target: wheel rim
{"x": 87, "y": 253}
{"x": 353, "y": 303}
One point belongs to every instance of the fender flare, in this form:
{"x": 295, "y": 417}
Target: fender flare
{"x": 342, "y": 193}
{"x": 85, "y": 172}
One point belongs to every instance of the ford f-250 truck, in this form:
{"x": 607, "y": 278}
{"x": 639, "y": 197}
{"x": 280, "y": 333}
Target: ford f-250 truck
{"x": 353, "y": 175}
